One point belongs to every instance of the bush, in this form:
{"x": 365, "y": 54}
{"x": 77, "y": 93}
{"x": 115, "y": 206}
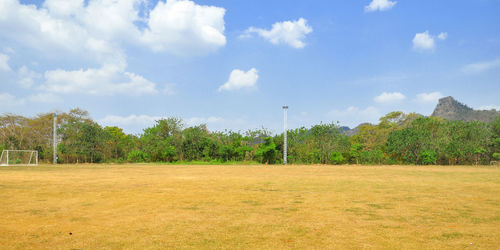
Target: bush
{"x": 375, "y": 156}
{"x": 496, "y": 156}
{"x": 428, "y": 157}
{"x": 337, "y": 158}
{"x": 136, "y": 156}
{"x": 266, "y": 151}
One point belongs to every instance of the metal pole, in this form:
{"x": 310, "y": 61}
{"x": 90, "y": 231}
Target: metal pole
{"x": 54, "y": 139}
{"x": 285, "y": 108}
{"x": 31, "y": 156}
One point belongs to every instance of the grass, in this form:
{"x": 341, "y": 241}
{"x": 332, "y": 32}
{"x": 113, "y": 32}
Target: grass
{"x": 168, "y": 206}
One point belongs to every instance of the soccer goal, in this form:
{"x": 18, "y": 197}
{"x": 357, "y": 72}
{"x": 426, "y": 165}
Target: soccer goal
{"x": 19, "y": 158}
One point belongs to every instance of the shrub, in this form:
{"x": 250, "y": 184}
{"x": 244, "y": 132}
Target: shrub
{"x": 375, "y": 156}
{"x": 428, "y": 157}
{"x": 496, "y": 156}
{"x": 337, "y": 158}
{"x": 136, "y": 156}
{"x": 267, "y": 152}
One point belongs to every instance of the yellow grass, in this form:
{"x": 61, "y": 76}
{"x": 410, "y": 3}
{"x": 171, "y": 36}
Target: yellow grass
{"x": 161, "y": 206}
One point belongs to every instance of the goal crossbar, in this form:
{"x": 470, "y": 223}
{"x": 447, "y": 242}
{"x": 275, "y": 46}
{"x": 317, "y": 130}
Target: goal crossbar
{"x": 19, "y": 158}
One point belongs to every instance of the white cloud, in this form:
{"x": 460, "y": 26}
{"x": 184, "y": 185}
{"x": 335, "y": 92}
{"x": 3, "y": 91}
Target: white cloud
{"x": 432, "y": 97}
{"x": 64, "y": 8}
{"x": 353, "y": 116}
{"x": 38, "y": 29}
{"x": 119, "y": 17}
{"x": 98, "y": 29}
{"x": 107, "y": 80}
{"x": 27, "y": 77}
{"x": 4, "y": 62}
{"x": 380, "y": 5}
{"x": 8, "y": 100}
{"x": 183, "y": 27}
{"x": 169, "y": 89}
{"x": 44, "y": 98}
{"x": 291, "y": 33}
{"x": 481, "y": 66}
{"x": 443, "y": 36}
{"x": 423, "y": 42}
{"x": 489, "y": 107}
{"x": 239, "y": 79}
{"x": 389, "y": 97}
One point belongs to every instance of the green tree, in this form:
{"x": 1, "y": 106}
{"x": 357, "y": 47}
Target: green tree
{"x": 428, "y": 157}
{"x": 81, "y": 138}
{"x": 163, "y": 141}
{"x": 355, "y": 151}
{"x": 266, "y": 152}
{"x": 423, "y": 134}
{"x": 337, "y": 158}
{"x": 495, "y": 127}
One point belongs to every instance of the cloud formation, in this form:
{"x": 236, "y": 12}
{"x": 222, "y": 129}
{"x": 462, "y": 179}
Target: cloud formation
{"x": 432, "y": 97}
{"x": 480, "y": 67}
{"x": 389, "y": 97}
{"x": 185, "y": 28}
{"x": 424, "y": 41}
{"x": 101, "y": 26}
{"x": 380, "y": 5}
{"x": 98, "y": 31}
{"x": 27, "y": 77}
{"x": 239, "y": 79}
{"x": 9, "y": 100}
{"x": 442, "y": 36}
{"x": 4, "y": 62}
{"x": 291, "y": 33}
{"x": 107, "y": 80}
{"x": 44, "y": 98}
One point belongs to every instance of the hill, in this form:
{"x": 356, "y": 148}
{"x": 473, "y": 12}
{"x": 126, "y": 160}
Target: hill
{"x": 450, "y": 109}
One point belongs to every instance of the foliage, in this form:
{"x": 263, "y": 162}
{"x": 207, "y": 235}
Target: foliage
{"x": 496, "y": 156}
{"x": 355, "y": 151}
{"x": 428, "y": 157}
{"x": 397, "y": 138}
{"x": 266, "y": 152}
{"x": 337, "y": 158}
{"x": 136, "y": 156}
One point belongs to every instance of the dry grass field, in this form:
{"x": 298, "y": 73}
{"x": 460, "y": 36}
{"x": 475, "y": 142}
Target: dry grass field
{"x": 164, "y": 206}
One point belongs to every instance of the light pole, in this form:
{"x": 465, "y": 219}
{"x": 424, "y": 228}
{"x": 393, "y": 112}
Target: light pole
{"x": 54, "y": 140}
{"x": 285, "y": 108}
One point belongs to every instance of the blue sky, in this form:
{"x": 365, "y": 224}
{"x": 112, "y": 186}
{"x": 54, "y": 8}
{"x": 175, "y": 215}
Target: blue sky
{"x": 233, "y": 64}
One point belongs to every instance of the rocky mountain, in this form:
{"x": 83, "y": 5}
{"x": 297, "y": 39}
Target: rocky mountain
{"x": 450, "y": 109}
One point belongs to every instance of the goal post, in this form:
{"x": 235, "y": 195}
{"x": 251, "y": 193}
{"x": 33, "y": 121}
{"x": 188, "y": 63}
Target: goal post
{"x": 19, "y": 158}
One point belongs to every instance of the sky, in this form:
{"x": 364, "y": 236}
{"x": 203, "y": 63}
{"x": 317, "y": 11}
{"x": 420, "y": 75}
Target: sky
{"x": 234, "y": 64}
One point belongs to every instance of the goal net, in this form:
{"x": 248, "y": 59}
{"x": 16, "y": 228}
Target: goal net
{"x": 19, "y": 158}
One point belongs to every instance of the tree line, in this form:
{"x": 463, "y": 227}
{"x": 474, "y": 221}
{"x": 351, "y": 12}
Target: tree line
{"x": 398, "y": 138}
